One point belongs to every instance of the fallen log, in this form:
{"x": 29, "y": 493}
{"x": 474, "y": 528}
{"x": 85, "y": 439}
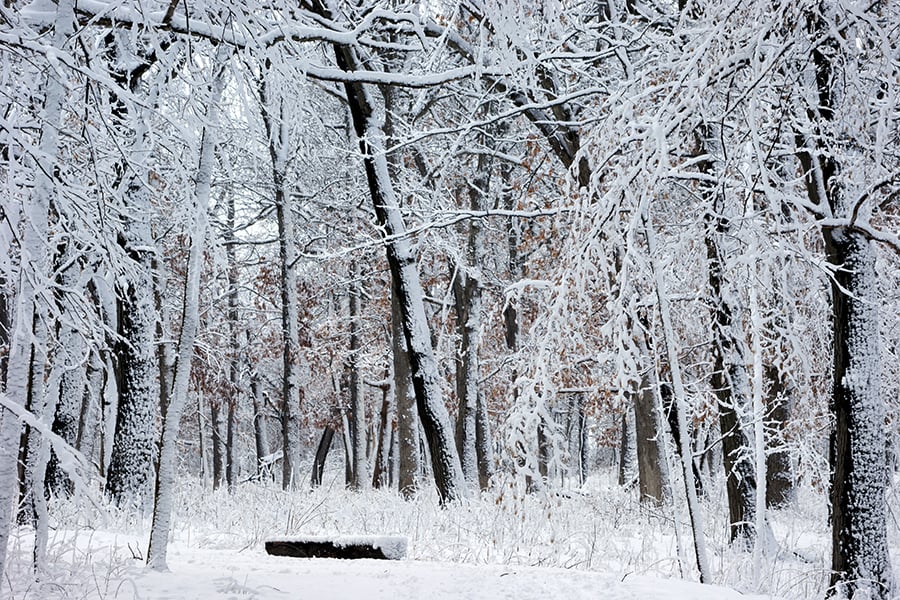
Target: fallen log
{"x": 378, "y": 547}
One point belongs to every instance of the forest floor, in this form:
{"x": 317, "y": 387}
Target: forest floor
{"x": 597, "y": 541}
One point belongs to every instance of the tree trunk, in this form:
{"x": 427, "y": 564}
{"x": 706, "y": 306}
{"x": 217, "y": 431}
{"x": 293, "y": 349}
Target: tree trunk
{"x": 90, "y": 414}
{"x": 70, "y": 359}
{"x": 137, "y": 366}
{"x": 730, "y": 379}
{"x": 360, "y": 479}
{"x": 381, "y": 476}
{"x": 466, "y": 372}
{"x": 278, "y": 134}
{"x": 681, "y": 445}
{"x": 687, "y": 470}
{"x": 165, "y": 478}
{"x": 201, "y": 442}
{"x": 473, "y": 439}
{"x": 402, "y": 262}
{"x": 29, "y": 336}
{"x": 628, "y": 450}
{"x": 260, "y": 427}
{"x": 321, "y": 455}
{"x": 860, "y": 553}
{"x": 218, "y": 443}
{"x": 860, "y": 563}
{"x": 779, "y": 473}
{"x": 347, "y": 439}
{"x": 235, "y": 335}
{"x": 651, "y": 479}
{"x": 407, "y": 414}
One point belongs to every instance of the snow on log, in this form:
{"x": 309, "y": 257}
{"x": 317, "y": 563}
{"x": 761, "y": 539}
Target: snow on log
{"x": 380, "y": 547}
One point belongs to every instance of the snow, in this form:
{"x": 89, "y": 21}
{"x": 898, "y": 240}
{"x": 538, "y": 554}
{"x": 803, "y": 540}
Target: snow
{"x": 217, "y": 574}
{"x": 208, "y": 574}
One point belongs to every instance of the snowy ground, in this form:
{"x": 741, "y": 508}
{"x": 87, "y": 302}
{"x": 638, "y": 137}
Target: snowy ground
{"x": 597, "y": 542}
{"x": 250, "y": 573}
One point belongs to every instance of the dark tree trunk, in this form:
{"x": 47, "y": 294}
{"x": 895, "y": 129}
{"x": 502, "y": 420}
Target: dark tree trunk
{"x": 860, "y": 559}
{"x": 681, "y": 446}
{"x": 381, "y": 475}
{"x": 130, "y": 472}
{"x": 779, "y": 473}
{"x": 576, "y": 434}
{"x": 473, "y": 438}
{"x": 402, "y": 262}
{"x": 860, "y": 552}
{"x": 129, "y": 475}
{"x": 627, "y": 451}
{"x": 321, "y": 455}
{"x": 278, "y": 134}
{"x": 651, "y": 477}
{"x": 730, "y": 380}
{"x": 347, "y": 439}
{"x": 235, "y": 335}
{"x": 68, "y": 357}
{"x": 4, "y": 332}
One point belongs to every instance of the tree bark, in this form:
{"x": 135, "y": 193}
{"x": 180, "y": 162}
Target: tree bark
{"x": 235, "y": 334}
{"x": 407, "y": 414}
{"x": 29, "y": 336}
{"x": 381, "y": 475}
{"x": 71, "y": 360}
{"x": 627, "y": 450}
{"x": 730, "y": 380}
{"x": 779, "y": 472}
{"x": 218, "y": 443}
{"x": 402, "y": 262}
{"x": 651, "y": 478}
{"x": 321, "y": 455}
{"x": 260, "y": 427}
{"x": 360, "y": 473}
{"x": 165, "y": 477}
{"x": 129, "y": 474}
{"x": 278, "y": 138}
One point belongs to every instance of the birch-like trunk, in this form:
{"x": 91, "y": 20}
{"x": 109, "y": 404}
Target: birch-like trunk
{"x": 165, "y": 479}
{"x": 694, "y": 513}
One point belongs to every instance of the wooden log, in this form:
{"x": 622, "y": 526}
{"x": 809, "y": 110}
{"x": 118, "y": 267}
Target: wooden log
{"x": 377, "y": 547}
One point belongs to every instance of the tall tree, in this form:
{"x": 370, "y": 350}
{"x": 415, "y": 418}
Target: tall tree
{"x": 402, "y": 262}
{"x": 29, "y": 340}
{"x": 190, "y": 320}
{"x": 860, "y": 563}
{"x": 278, "y": 136}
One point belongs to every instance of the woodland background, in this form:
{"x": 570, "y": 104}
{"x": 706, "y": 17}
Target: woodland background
{"x": 477, "y": 253}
